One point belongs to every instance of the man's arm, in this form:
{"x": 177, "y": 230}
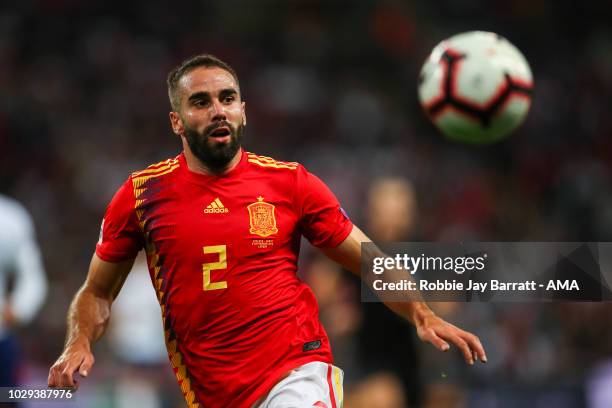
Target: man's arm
{"x": 87, "y": 319}
{"x": 430, "y": 327}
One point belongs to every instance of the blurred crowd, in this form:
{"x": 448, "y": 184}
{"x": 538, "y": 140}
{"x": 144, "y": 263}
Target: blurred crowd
{"x": 331, "y": 84}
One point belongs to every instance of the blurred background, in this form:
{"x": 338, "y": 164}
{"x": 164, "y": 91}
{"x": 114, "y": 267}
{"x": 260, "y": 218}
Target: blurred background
{"x": 331, "y": 84}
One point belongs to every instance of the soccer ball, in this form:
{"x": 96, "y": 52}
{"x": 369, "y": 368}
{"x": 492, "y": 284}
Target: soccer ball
{"x": 476, "y": 87}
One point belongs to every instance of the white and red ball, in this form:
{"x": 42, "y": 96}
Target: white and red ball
{"x": 476, "y": 87}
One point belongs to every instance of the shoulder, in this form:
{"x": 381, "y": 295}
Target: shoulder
{"x": 291, "y": 172}
{"x": 155, "y": 170}
{"x": 140, "y": 180}
{"x": 265, "y": 163}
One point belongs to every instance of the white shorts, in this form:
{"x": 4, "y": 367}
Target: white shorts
{"x": 313, "y": 385}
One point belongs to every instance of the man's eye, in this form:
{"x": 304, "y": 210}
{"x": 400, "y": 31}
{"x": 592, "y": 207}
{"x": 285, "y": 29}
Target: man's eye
{"x": 199, "y": 103}
{"x": 229, "y": 99}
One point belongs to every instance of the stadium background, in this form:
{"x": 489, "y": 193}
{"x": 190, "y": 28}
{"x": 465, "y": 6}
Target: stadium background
{"x": 332, "y": 85}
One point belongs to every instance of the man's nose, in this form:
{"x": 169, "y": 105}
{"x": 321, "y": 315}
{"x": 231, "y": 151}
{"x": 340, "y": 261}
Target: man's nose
{"x": 218, "y": 111}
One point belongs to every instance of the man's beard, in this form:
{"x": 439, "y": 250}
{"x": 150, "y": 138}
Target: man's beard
{"x": 216, "y": 156}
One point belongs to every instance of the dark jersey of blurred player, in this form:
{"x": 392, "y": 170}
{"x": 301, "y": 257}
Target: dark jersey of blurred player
{"x": 222, "y": 253}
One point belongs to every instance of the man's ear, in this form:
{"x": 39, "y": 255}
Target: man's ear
{"x": 176, "y": 123}
{"x": 244, "y": 113}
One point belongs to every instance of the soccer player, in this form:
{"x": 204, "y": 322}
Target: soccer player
{"x": 20, "y": 261}
{"x": 222, "y": 228}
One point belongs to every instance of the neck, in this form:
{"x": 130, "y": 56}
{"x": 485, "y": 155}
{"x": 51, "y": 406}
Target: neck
{"x": 194, "y": 164}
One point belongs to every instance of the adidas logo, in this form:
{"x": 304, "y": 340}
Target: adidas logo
{"x": 216, "y": 207}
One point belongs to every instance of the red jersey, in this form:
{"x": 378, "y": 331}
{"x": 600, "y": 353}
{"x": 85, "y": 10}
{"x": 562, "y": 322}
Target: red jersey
{"x": 222, "y": 254}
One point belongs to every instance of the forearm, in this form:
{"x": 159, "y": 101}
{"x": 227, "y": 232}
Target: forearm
{"x": 415, "y": 312}
{"x": 87, "y": 317}
{"x": 407, "y": 304}
{"x": 351, "y": 253}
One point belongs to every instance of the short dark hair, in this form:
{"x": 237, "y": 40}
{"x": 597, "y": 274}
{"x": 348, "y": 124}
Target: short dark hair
{"x": 202, "y": 60}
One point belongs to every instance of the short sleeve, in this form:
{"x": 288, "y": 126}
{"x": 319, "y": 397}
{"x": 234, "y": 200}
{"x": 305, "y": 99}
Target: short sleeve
{"x": 324, "y": 223}
{"x": 120, "y": 234}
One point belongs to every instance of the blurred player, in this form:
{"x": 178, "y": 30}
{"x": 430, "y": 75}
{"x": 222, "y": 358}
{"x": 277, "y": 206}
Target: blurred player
{"x": 222, "y": 230}
{"x": 20, "y": 264}
{"x": 136, "y": 337}
{"x": 391, "y": 216}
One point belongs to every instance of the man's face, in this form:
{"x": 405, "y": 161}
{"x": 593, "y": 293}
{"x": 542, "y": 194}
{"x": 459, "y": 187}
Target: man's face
{"x": 211, "y": 117}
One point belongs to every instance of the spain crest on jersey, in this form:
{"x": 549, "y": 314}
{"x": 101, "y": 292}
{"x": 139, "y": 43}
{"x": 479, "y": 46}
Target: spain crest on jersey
{"x": 261, "y": 218}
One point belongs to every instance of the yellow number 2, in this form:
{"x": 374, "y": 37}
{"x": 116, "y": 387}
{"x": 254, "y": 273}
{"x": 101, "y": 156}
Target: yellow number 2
{"x": 210, "y": 266}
